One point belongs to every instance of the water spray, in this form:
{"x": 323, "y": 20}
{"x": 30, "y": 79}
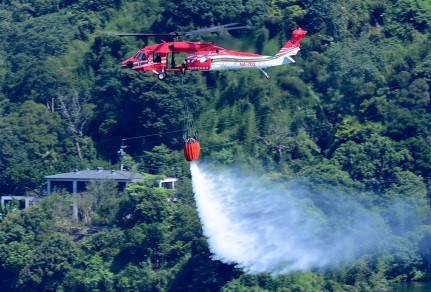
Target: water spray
{"x": 279, "y": 228}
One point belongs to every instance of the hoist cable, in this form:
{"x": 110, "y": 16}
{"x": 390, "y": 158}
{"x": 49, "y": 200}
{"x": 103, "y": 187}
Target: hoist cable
{"x": 189, "y": 127}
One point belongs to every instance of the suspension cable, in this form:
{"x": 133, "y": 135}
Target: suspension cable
{"x": 190, "y": 133}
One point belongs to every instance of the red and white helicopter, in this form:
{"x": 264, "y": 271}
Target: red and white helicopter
{"x": 202, "y": 56}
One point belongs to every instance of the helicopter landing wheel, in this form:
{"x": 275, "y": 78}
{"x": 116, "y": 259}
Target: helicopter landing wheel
{"x": 161, "y": 76}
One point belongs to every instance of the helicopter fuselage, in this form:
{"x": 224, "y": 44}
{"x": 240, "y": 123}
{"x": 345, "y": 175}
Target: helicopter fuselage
{"x": 201, "y": 56}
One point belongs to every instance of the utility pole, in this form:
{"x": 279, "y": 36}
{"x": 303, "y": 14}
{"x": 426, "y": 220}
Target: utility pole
{"x": 122, "y": 154}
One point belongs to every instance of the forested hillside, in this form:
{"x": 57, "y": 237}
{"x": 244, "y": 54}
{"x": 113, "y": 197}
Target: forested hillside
{"x": 353, "y": 112}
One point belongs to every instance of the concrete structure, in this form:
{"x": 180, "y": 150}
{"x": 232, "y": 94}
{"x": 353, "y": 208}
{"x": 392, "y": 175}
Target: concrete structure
{"x": 25, "y": 202}
{"x": 168, "y": 183}
{"x": 75, "y": 182}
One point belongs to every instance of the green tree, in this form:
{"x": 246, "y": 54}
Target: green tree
{"x": 142, "y": 277}
{"x": 374, "y": 161}
{"x": 419, "y": 148}
{"x": 29, "y": 133}
{"x": 50, "y": 262}
{"x": 10, "y": 207}
{"x": 151, "y": 202}
{"x": 200, "y": 13}
{"x": 414, "y": 13}
{"x": 100, "y": 203}
{"x": 93, "y": 275}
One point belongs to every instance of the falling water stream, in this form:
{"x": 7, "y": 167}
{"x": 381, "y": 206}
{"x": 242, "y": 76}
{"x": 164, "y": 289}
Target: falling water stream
{"x": 262, "y": 226}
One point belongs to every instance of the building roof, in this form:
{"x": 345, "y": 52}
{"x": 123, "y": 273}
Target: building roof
{"x": 169, "y": 179}
{"x": 99, "y": 174}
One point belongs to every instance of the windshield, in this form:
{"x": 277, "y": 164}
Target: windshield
{"x": 141, "y": 57}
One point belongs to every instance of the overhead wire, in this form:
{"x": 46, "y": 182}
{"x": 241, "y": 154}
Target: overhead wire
{"x": 226, "y": 122}
{"x": 152, "y": 135}
{"x": 190, "y": 129}
{"x": 233, "y": 121}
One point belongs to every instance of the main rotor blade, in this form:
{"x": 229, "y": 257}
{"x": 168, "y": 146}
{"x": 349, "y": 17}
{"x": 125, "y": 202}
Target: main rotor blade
{"x": 172, "y": 34}
{"x": 210, "y": 29}
{"x": 229, "y": 26}
{"x": 216, "y": 29}
{"x": 240, "y": 27}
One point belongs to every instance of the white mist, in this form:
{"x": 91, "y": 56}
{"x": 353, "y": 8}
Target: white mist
{"x": 265, "y": 227}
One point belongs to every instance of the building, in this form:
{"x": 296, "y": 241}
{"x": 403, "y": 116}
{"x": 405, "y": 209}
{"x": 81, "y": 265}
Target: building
{"x": 77, "y": 181}
{"x": 24, "y": 201}
{"x": 168, "y": 183}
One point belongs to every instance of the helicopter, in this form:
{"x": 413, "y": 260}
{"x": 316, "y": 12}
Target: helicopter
{"x": 163, "y": 58}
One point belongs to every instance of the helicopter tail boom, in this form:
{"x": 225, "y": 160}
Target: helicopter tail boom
{"x": 291, "y": 47}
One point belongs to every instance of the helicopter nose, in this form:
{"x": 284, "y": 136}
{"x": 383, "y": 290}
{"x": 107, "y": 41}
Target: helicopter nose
{"x": 127, "y": 65}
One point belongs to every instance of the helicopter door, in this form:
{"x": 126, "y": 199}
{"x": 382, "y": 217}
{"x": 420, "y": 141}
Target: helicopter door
{"x": 172, "y": 60}
{"x": 176, "y": 60}
{"x": 157, "y": 58}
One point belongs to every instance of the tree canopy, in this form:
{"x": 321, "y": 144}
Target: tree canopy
{"x": 353, "y": 112}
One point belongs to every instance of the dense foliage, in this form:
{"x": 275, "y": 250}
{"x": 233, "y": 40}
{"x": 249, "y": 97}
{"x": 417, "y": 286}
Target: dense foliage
{"x": 353, "y": 112}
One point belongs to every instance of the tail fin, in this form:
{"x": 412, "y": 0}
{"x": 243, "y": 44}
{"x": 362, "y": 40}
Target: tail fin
{"x": 291, "y": 48}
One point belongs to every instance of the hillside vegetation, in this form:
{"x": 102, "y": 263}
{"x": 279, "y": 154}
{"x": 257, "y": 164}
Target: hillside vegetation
{"x": 353, "y": 112}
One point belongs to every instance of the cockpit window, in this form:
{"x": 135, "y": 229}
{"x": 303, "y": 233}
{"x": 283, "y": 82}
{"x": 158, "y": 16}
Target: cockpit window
{"x": 142, "y": 57}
